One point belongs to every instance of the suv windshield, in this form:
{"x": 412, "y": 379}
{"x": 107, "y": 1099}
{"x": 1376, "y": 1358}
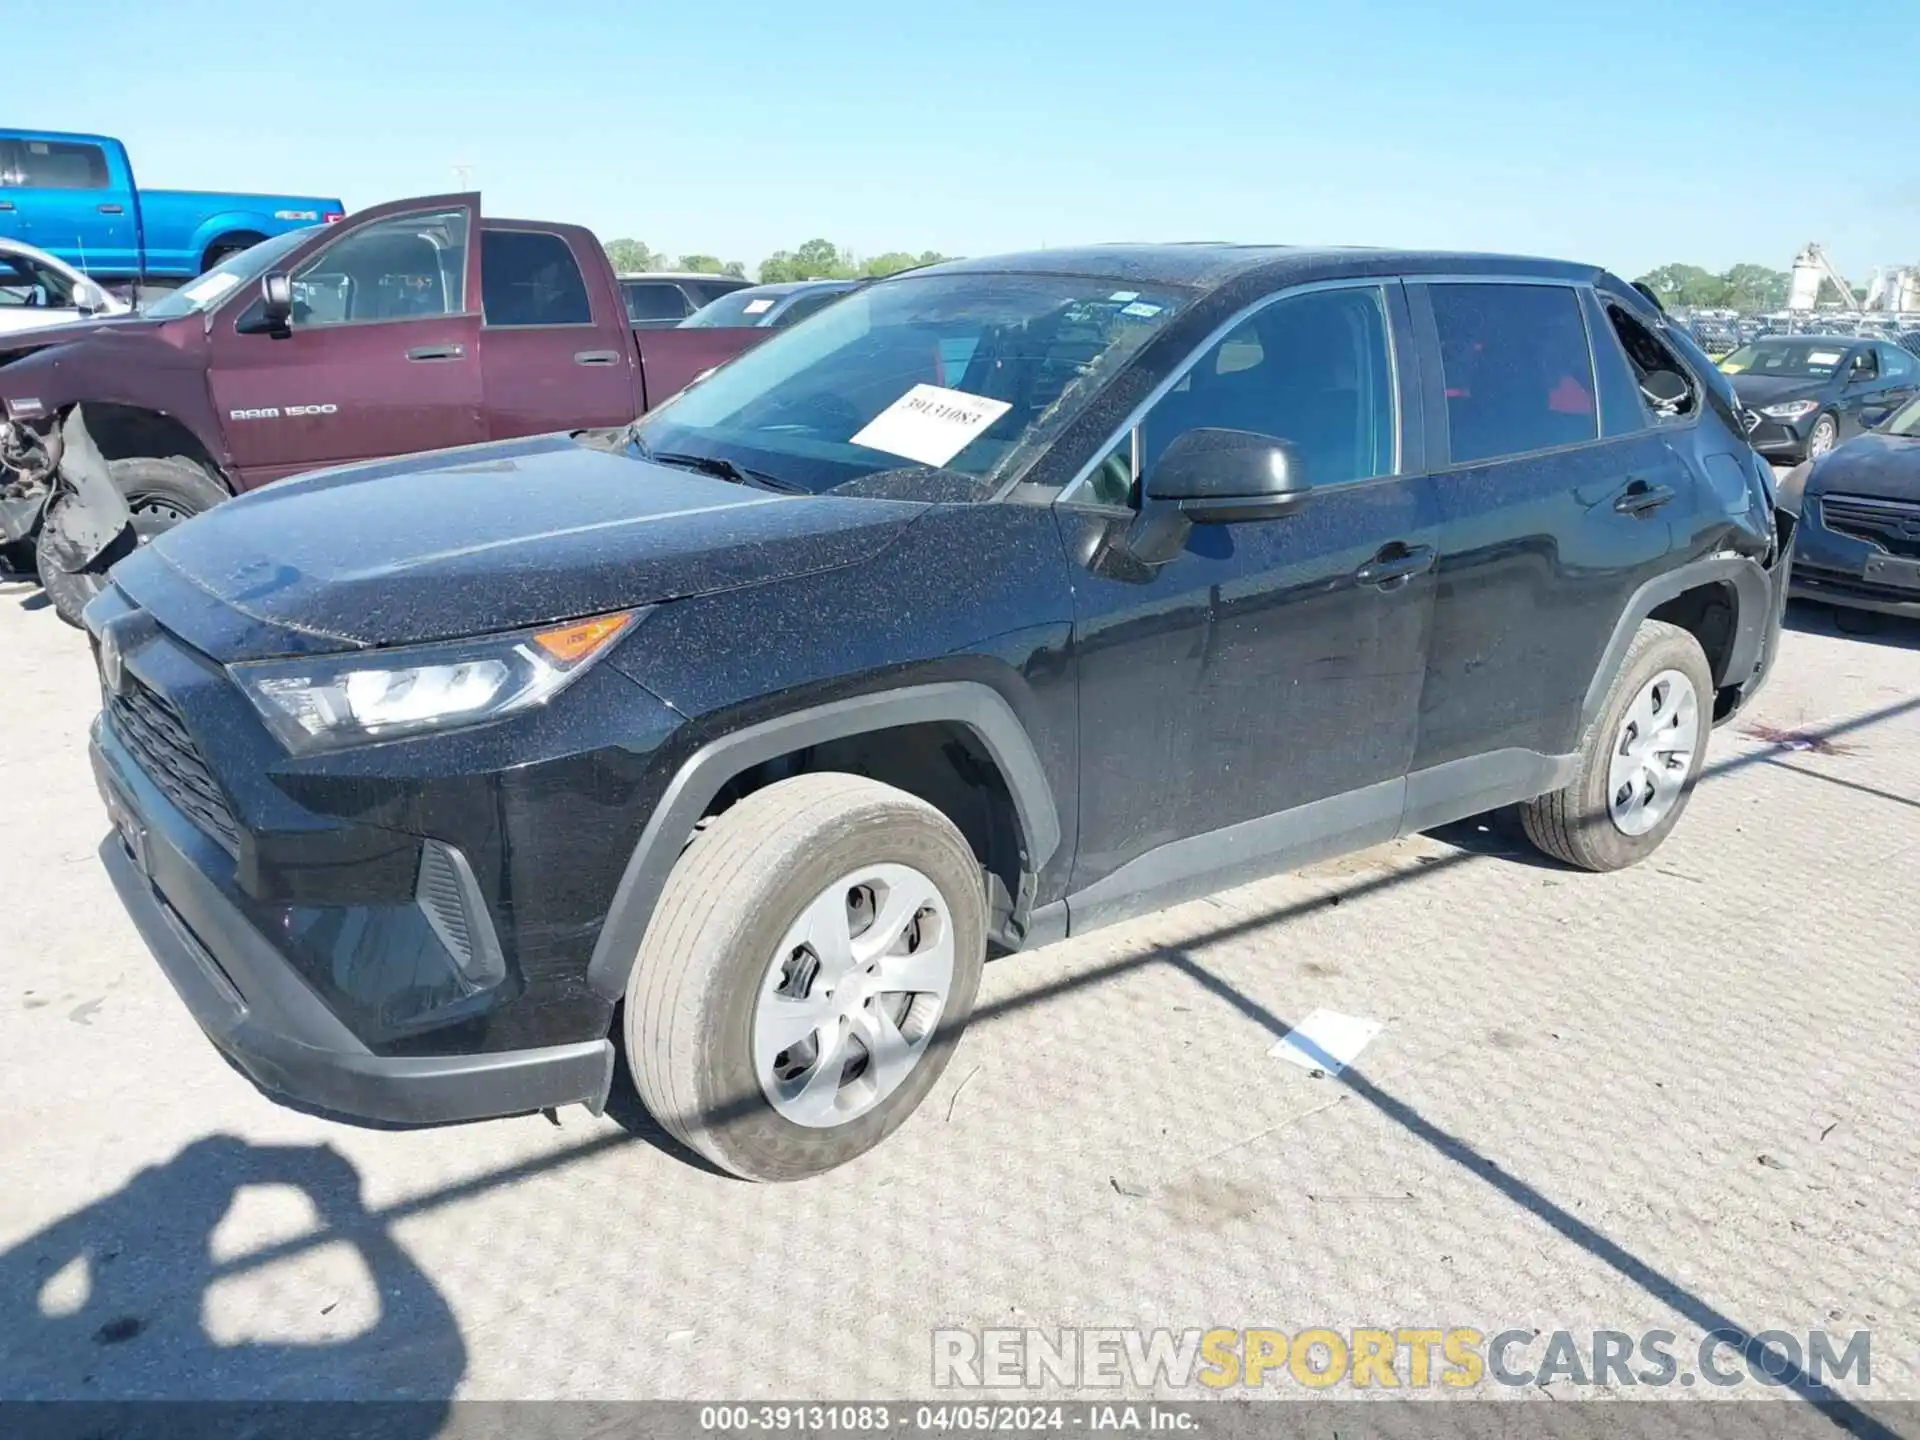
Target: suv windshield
{"x": 970, "y": 373}
{"x": 204, "y": 291}
{"x": 1795, "y": 359}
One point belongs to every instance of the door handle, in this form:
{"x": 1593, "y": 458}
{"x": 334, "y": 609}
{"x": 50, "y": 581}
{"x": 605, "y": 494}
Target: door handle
{"x": 1639, "y": 498}
{"x": 596, "y": 357}
{"x": 437, "y": 352}
{"x": 1395, "y": 563}
{"x": 112, "y": 209}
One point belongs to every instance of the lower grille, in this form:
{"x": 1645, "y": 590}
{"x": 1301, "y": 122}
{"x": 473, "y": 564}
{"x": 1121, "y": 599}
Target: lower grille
{"x": 152, "y": 731}
{"x": 1894, "y": 525}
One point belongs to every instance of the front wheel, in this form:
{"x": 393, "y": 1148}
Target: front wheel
{"x": 1638, "y": 760}
{"x": 812, "y": 963}
{"x": 160, "y": 492}
{"x": 1821, "y": 439}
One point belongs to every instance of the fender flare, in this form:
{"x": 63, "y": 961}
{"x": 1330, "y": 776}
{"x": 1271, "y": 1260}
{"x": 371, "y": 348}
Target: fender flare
{"x": 230, "y": 222}
{"x": 1753, "y": 593}
{"x": 970, "y": 703}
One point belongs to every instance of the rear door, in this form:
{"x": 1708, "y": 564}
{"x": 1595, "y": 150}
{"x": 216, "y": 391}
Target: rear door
{"x": 555, "y": 353}
{"x": 1548, "y": 524}
{"x": 383, "y": 358}
{"x": 64, "y": 201}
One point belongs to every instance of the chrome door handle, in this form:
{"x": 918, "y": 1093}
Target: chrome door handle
{"x": 596, "y": 357}
{"x": 437, "y": 352}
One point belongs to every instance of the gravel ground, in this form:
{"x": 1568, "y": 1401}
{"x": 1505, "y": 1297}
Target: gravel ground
{"x": 1680, "y": 1097}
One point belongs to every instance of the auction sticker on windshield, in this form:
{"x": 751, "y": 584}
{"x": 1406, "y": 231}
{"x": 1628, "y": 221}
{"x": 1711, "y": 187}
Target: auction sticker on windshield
{"x": 930, "y": 424}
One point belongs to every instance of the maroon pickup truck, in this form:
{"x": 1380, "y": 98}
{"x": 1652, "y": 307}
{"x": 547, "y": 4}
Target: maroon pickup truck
{"x": 390, "y": 332}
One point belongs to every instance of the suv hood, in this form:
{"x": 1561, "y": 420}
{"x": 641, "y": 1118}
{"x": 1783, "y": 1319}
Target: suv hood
{"x": 483, "y": 538}
{"x": 1879, "y": 467}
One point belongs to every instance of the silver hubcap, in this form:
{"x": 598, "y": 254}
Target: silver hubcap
{"x": 852, "y": 995}
{"x": 1821, "y": 441}
{"x": 1653, "y": 753}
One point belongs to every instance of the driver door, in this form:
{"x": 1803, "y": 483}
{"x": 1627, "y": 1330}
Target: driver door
{"x": 1253, "y": 699}
{"x": 384, "y": 355}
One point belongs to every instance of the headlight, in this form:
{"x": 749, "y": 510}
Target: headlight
{"x": 334, "y": 700}
{"x": 1791, "y": 409}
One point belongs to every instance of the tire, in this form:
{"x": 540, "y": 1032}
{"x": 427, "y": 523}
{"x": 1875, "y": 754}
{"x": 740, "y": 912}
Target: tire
{"x": 161, "y": 491}
{"x": 226, "y": 247}
{"x": 705, "y": 981}
{"x": 1582, "y": 824}
{"x": 1823, "y": 437}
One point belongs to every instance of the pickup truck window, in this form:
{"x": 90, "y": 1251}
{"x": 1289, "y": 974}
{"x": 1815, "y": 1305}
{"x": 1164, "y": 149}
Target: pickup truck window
{"x": 57, "y": 165}
{"x": 973, "y": 373}
{"x": 529, "y": 277}
{"x": 401, "y": 268}
{"x": 656, "y": 302}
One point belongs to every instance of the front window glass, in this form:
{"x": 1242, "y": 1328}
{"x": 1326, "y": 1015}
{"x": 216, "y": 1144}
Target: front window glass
{"x": 1794, "y": 359}
{"x": 207, "y": 290}
{"x": 1313, "y": 370}
{"x": 406, "y": 267}
{"x": 970, "y": 373}
{"x": 25, "y": 285}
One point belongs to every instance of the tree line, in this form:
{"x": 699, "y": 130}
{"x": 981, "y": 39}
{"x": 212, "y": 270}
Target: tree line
{"x": 815, "y": 260}
{"x": 1747, "y": 288}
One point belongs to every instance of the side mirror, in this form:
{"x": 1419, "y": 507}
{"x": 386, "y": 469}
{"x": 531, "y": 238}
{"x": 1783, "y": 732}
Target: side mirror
{"x": 276, "y": 303}
{"x": 1664, "y": 388}
{"x": 1223, "y": 476}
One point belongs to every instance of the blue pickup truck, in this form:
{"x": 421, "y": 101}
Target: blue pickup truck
{"x": 74, "y": 195}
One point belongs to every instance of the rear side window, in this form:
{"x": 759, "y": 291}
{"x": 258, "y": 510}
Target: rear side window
{"x": 58, "y": 165}
{"x": 1897, "y": 364}
{"x": 530, "y": 277}
{"x": 1647, "y": 355}
{"x": 654, "y": 302}
{"x": 1518, "y": 374}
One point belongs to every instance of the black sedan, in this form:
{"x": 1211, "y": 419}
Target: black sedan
{"x": 1859, "y": 536}
{"x": 1808, "y": 393}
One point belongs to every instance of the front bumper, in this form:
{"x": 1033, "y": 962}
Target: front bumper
{"x": 265, "y": 1019}
{"x": 1840, "y": 569}
{"x": 1783, "y": 440}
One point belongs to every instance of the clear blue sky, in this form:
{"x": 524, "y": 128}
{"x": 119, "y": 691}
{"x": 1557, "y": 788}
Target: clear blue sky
{"x": 1628, "y": 134}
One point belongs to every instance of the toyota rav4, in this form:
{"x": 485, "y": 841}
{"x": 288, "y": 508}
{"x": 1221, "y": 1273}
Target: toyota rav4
{"x": 997, "y": 602}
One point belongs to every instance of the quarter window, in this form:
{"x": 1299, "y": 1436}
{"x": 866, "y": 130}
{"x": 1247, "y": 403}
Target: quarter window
{"x": 657, "y": 303}
{"x": 408, "y": 267}
{"x": 1314, "y": 370}
{"x": 1518, "y": 374}
{"x": 531, "y": 278}
{"x": 1646, "y": 354}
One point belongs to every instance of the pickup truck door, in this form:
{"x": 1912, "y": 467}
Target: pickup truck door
{"x": 555, "y": 349}
{"x": 383, "y": 355}
{"x": 67, "y": 199}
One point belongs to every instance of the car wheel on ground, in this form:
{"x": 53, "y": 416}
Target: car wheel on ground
{"x": 813, "y": 960}
{"x": 1826, "y": 430}
{"x": 1638, "y": 759}
{"x": 160, "y": 491}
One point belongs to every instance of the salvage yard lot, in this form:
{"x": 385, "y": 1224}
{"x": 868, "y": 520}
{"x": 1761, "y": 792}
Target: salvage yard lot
{"x": 1561, "y": 1125}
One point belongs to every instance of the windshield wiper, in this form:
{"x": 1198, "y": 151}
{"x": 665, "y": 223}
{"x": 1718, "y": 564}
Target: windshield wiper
{"x": 727, "y": 470}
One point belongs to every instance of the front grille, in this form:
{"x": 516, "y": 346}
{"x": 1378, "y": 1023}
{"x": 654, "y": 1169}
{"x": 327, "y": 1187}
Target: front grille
{"x": 151, "y": 729}
{"x": 1894, "y": 525}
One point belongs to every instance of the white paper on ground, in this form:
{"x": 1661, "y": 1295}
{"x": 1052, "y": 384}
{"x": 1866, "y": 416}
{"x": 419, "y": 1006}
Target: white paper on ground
{"x": 1326, "y": 1040}
{"x": 930, "y": 424}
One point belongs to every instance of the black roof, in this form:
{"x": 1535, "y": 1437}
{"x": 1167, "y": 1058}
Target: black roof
{"x": 1205, "y": 266}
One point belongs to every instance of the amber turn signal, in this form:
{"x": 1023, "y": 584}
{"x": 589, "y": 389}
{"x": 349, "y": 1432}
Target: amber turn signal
{"x": 570, "y": 644}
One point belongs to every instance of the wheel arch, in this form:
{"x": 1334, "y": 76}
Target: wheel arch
{"x": 969, "y": 706}
{"x": 123, "y": 432}
{"x": 1724, "y": 601}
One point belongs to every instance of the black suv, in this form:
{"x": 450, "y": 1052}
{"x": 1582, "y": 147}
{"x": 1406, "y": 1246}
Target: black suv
{"x": 997, "y": 602}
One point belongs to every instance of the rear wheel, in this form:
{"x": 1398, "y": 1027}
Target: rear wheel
{"x": 226, "y": 247}
{"x": 160, "y": 491}
{"x": 812, "y": 963}
{"x": 1638, "y": 760}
